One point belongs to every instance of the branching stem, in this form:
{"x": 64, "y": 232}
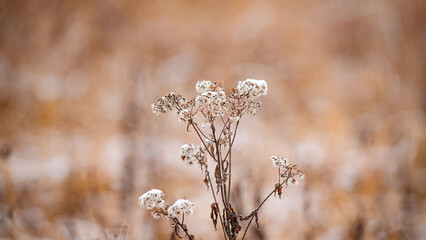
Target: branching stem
{"x": 261, "y": 204}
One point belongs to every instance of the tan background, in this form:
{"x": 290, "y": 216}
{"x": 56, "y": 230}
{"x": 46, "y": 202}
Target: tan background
{"x": 346, "y": 102}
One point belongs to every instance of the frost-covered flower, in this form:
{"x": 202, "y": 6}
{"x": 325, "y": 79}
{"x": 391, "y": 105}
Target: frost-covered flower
{"x": 212, "y": 103}
{"x": 167, "y": 103}
{"x": 184, "y": 115}
{"x": 288, "y": 172}
{"x": 203, "y": 86}
{"x": 253, "y": 88}
{"x": 279, "y": 162}
{"x": 180, "y": 207}
{"x": 151, "y": 199}
{"x": 163, "y": 105}
{"x": 191, "y": 154}
{"x": 252, "y": 108}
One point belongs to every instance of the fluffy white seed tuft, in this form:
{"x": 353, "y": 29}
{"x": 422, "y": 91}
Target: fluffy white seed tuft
{"x": 253, "y": 88}
{"x": 181, "y": 207}
{"x": 191, "y": 154}
{"x": 151, "y": 199}
{"x": 212, "y": 103}
{"x": 203, "y": 86}
{"x": 279, "y": 162}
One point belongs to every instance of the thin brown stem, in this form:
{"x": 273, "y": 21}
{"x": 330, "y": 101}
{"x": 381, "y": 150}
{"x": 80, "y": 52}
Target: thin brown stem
{"x": 215, "y": 200}
{"x": 209, "y": 178}
{"x": 233, "y": 139}
{"x": 261, "y": 204}
{"x": 224, "y": 126}
{"x": 195, "y": 126}
{"x": 201, "y": 132}
{"x": 230, "y": 161}
{"x": 221, "y": 186}
{"x": 185, "y": 229}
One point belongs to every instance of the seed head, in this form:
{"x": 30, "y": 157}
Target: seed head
{"x": 191, "y": 154}
{"x": 279, "y": 162}
{"x": 203, "y": 86}
{"x": 253, "y": 88}
{"x": 151, "y": 199}
{"x": 181, "y": 207}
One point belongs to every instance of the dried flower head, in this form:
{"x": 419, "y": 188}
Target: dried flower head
{"x": 279, "y": 162}
{"x": 291, "y": 173}
{"x": 191, "y": 154}
{"x": 151, "y": 199}
{"x": 184, "y": 115}
{"x": 212, "y": 104}
{"x": 252, "y": 108}
{"x": 181, "y": 207}
{"x": 203, "y": 86}
{"x": 167, "y": 103}
{"x": 253, "y": 88}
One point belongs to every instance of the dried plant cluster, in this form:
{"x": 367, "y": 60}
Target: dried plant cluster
{"x": 220, "y": 117}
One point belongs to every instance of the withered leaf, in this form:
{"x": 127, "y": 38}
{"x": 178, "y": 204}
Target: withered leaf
{"x": 256, "y": 218}
{"x": 214, "y": 214}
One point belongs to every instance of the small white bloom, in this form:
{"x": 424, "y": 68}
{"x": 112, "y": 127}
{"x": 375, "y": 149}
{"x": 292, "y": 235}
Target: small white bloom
{"x": 252, "y": 108}
{"x": 203, "y": 86}
{"x": 253, "y": 88}
{"x": 167, "y": 103}
{"x": 152, "y": 199}
{"x": 212, "y": 103}
{"x": 279, "y": 162}
{"x": 184, "y": 115}
{"x": 191, "y": 154}
{"x": 181, "y": 207}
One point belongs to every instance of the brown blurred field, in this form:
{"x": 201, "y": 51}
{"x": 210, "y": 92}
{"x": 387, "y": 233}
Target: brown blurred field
{"x": 346, "y": 102}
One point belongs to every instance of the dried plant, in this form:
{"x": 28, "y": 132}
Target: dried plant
{"x": 221, "y": 115}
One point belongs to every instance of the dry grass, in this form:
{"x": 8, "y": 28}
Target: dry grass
{"x": 80, "y": 144}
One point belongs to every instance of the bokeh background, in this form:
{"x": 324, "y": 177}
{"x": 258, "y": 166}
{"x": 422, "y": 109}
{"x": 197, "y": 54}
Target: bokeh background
{"x": 346, "y": 102}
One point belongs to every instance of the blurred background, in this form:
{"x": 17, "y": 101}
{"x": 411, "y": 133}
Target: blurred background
{"x": 346, "y": 102}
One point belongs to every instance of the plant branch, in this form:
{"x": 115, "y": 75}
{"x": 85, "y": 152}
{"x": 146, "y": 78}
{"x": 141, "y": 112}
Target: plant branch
{"x": 253, "y": 213}
{"x": 184, "y": 228}
{"x": 208, "y": 175}
{"x": 221, "y": 186}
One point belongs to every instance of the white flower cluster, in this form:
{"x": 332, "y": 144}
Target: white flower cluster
{"x": 163, "y": 105}
{"x": 252, "y": 108}
{"x": 203, "y": 86}
{"x": 253, "y": 88}
{"x": 212, "y": 103}
{"x": 180, "y": 207}
{"x": 288, "y": 171}
{"x": 167, "y": 103}
{"x": 279, "y": 162}
{"x": 152, "y": 199}
{"x": 184, "y": 115}
{"x": 191, "y": 154}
